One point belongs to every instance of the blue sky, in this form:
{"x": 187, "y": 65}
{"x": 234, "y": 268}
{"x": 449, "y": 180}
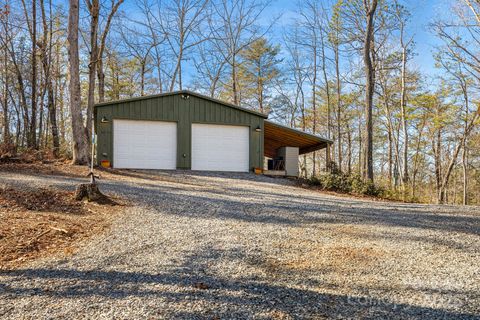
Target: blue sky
{"x": 422, "y": 13}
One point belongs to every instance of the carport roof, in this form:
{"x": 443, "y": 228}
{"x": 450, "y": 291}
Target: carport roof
{"x": 277, "y": 136}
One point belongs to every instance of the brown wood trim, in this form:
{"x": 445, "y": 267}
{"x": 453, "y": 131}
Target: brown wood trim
{"x": 276, "y": 136}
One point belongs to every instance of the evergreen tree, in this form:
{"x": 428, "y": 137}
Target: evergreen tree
{"x": 257, "y": 73}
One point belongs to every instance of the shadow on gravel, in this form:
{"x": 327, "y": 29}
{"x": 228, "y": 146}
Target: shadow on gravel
{"x": 280, "y": 208}
{"x": 274, "y": 205}
{"x": 251, "y": 295}
{"x": 245, "y": 296}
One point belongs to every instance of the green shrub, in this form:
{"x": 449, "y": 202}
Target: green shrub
{"x": 340, "y": 182}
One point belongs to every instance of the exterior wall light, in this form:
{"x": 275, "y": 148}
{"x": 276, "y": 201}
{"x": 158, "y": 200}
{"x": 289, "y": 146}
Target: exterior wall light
{"x": 258, "y": 129}
{"x": 185, "y": 96}
{"x": 104, "y": 120}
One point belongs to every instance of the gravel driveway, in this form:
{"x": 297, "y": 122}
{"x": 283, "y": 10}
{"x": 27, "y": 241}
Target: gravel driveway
{"x": 217, "y": 246}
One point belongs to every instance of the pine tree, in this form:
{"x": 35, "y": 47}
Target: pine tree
{"x": 258, "y": 71}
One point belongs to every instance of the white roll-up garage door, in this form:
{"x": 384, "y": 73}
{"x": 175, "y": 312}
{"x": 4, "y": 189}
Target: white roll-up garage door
{"x": 144, "y": 144}
{"x": 220, "y": 147}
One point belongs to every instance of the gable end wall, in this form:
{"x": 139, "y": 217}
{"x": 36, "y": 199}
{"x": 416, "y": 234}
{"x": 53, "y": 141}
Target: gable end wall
{"x": 184, "y": 112}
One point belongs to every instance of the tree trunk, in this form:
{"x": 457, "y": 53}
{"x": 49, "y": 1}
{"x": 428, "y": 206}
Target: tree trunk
{"x": 22, "y": 97}
{"x": 327, "y": 92}
{"x": 178, "y": 68}
{"x": 142, "y": 78}
{"x": 101, "y": 79}
{"x": 339, "y": 110}
{"x": 404, "y": 116}
{"x": 260, "y": 89}
{"x": 314, "y": 98}
{"x": 369, "y": 70}
{"x": 436, "y": 146}
{"x": 32, "y": 132}
{"x": 234, "y": 82}
{"x": 40, "y": 116}
{"x": 94, "y": 9}
{"x": 390, "y": 156}
{"x": 6, "y": 123}
{"x": 59, "y": 95}
{"x": 349, "y": 150}
{"x": 80, "y": 138}
{"x": 18, "y": 128}
{"x": 398, "y": 165}
{"x": 415, "y": 161}
{"x": 465, "y": 177}
{"x": 360, "y": 148}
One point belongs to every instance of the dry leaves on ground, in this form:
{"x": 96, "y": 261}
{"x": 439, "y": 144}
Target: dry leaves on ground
{"x": 39, "y": 222}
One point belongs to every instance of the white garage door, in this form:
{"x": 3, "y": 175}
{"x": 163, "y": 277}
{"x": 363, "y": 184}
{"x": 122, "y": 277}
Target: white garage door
{"x": 220, "y": 147}
{"x": 144, "y": 144}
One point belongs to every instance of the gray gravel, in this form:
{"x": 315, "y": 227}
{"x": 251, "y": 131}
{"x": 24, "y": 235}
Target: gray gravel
{"x": 218, "y": 246}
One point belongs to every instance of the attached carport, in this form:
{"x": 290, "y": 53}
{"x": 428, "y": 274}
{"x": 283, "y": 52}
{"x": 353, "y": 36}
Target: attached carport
{"x": 283, "y": 145}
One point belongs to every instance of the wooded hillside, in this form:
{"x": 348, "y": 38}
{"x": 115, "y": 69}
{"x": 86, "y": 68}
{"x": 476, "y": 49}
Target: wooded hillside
{"x": 341, "y": 69}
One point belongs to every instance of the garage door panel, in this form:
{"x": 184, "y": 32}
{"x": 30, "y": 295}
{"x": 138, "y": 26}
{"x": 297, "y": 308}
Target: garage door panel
{"x": 220, "y": 147}
{"x": 145, "y": 144}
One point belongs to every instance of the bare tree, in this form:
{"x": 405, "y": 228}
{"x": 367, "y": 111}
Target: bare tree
{"x": 402, "y": 18}
{"x": 460, "y": 52}
{"x": 470, "y": 124}
{"x": 313, "y": 34}
{"x": 17, "y": 60}
{"x": 386, "y": 91}
{"x": 46, "y": 58}
{"x": 32, "y": 28}
{"x": 101, "y": 48}
{"x": 210, "y": 67}
{"x": 182, "y": 32}
{"x": 298, "y": 69}
{"x": 93, "y": 7}
{"x": 139, "y": 48}
{"x": 153, "y": 32}
{"x": 233, "y": 26}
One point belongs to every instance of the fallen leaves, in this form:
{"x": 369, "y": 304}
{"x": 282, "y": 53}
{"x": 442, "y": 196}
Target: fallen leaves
{"x": 39, "y": 222}
{"x": 58, "y": 167}
{"x": 40, "y": 199}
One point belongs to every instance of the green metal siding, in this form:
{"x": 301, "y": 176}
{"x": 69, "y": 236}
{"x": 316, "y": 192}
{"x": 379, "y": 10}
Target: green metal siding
{"x": 184, "y": 112}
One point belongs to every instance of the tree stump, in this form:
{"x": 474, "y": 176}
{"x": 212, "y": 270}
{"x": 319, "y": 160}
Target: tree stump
{"x": 91, "y": 192}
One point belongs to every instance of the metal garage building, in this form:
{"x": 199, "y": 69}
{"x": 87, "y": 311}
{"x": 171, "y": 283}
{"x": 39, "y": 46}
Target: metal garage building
{"x": 186, "y": 130}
